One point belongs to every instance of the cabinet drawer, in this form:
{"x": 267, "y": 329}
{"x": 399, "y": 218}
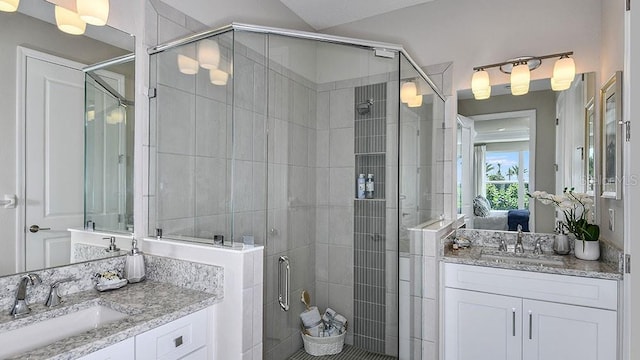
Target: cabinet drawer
{"x": 173, "y": 340}
{"x": 573, "y": 290}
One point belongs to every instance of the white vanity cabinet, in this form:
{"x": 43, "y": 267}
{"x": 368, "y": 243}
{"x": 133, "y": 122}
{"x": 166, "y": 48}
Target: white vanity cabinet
{"x": 181, "y": 339}
{"x": 124, "y": 350}
{"x": 499, "y": 314}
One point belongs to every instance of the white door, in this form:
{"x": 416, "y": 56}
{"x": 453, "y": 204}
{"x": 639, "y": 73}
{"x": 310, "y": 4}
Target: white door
{"x": 554, "y": 331}
{"x": 54, "y": 153}
{"x": 480, "y": 326}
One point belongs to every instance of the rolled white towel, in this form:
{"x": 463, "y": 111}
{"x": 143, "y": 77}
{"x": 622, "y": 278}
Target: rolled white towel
{"x": 317, "y": 331}
{"x": 311, "y": 318}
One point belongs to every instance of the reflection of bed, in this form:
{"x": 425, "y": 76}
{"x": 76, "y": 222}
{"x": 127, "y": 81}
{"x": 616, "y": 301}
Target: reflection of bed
{"x": 503, "y": 220}
{"x": 497, "y": 220}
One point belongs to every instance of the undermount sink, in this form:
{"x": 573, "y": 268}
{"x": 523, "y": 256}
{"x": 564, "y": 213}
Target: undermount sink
{"x": 48, "y": 331}
{"x": 509, "y": 257}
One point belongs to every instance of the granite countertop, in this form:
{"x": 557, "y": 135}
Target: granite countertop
{"x": 148, "y": 305}
{"x": 570, "y": 264}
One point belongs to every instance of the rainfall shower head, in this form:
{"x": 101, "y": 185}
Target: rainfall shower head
{"x": 364, "y": 107}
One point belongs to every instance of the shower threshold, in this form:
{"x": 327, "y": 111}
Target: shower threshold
{"x": 349, "y": 352}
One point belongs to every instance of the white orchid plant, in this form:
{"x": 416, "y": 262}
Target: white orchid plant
{"x": 575, "y": 207}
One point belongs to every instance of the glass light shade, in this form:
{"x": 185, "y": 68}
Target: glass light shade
{"x": 482, "y": 94}
{"x": 557, "y": 85}
{"x": 416, "y": 101}
{"x": 116, "y": 116}
{"x": 218, "y": 77}
{"x": 564, "y": 70}
{"x": 69, "y": 21}
{"x": 187, "y": 65}
{"x": 208, "y": 54}
{"x": 520, "y": 78}
{"x": 480, "y": 83}
{"x": 408, "y": 91}
{"x": 9, "y": 5}
{"x": 94, "y": 12}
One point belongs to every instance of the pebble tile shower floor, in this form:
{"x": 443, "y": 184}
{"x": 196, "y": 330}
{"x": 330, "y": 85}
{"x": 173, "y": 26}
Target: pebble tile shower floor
{"x": 348, "y": 353}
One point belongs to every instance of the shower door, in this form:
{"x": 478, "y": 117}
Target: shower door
{"x": 332, "y": 114}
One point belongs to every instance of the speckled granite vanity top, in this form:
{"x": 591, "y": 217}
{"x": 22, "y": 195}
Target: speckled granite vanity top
{"x": 483, "y": 252}
{"x": 570, "y": 264}
{"x": 148, "y": 305}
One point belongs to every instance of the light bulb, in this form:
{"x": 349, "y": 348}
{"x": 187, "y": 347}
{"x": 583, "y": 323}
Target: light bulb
{"x": 564, "y": 70}
{"x": 416, "y": 101}
{"x": 208, "y": 54}
{"x": 187, "y": 65}
{"x": 520, "y": 78}
{"x": 94, "y": 12}
{"x": 218, "y": 77}
{"x": 480, "y": 85}
{"x": 408, "y": 91}
{"x": 9, "y": 5}
{"x": 69, "y": 21}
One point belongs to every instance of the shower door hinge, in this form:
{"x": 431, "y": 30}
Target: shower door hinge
{"x": 120, "y": 218}
{"x": 628, "y": 5}
{"x": 627, "y": 263}
{"x": 627, "y": 130}
{"x": 151, "y": 93}
{"x": 556, "y": 167}
{"x": 384, "y": 53}
{"x": 557, "y": 121}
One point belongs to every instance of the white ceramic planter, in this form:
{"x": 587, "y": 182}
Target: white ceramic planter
{"x": 587, "y": 250}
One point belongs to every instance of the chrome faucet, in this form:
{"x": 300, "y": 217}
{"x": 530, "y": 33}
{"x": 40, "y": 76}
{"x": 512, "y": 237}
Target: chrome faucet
{"x": 503, "y": 245}
{"x": 537, "y": 248}
{"x": 20, "y": 307}
{"x": 54, "y": 299}
{"x": 519, "y": 248}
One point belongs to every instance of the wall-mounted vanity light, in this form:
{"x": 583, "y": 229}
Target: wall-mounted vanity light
{"x": 94, "y": 12}
{"x": 520, "y": 69}
{"x": 9, "y": 5}
{"x": 69, "y": 21}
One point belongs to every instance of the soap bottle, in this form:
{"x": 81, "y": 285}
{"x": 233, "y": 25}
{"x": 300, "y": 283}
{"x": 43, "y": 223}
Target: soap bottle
{"x": 134, "y": 265}
{"x": 369, "y": 187}
{"x": 361, "y": 186}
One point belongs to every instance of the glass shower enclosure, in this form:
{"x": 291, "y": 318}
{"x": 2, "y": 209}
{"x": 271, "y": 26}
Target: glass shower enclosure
{"x": 260, "y": 134}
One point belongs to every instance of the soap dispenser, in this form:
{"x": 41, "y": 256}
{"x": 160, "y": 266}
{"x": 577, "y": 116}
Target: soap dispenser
{"x": 134, "y": 265}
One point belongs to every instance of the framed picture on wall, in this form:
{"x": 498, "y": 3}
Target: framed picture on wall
{"x": 611, "y": 136}
{"x": 590, "y": 153}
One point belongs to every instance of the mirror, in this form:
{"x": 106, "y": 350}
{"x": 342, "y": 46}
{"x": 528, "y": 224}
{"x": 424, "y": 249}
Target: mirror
{"x": 510, "y": 145}
{"x": 43, "y": 164}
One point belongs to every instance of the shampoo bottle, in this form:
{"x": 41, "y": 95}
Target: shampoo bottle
{"x": 369, "y": 187}
{"x": 134, "y": 264}
{"x": 361, "y": 186}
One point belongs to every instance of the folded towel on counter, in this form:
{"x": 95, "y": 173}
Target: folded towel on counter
{"x": 311, "y": 318}
{"x": 335, "y": 323}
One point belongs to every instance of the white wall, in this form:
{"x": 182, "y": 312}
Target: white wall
{"x": 472, "y": 33}
{"x": 259, "y": 12}
{"x": 612, "y": 60}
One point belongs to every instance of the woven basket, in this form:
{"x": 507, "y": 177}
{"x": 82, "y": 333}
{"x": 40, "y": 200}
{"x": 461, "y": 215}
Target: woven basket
{"x": 318, "y": 346}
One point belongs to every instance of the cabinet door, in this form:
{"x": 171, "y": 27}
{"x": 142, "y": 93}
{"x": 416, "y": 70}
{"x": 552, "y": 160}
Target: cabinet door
{"x": 124, "y": 350}
{"x": 553, "y": 331}
{"x": 173, "y": 340}
{"x": 481, "y": 326}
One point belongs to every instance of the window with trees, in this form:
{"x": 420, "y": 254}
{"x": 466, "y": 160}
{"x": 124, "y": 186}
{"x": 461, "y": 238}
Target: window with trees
{"x": 507, "y": 177}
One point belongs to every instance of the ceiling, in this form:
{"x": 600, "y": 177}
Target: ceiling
{"x": 327, "y": 13}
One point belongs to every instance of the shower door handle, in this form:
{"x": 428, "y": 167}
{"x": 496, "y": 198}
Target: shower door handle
{"x": 283, "y": 299}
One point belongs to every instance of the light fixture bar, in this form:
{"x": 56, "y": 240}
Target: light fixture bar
{"x": 484, "y": 67}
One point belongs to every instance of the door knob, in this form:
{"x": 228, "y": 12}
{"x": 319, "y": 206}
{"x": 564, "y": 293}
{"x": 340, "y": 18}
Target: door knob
{"x": 36, "y": 228}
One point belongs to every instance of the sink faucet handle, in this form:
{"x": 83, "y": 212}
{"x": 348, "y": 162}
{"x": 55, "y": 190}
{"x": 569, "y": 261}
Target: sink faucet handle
{"x": 54, "y": 298}
{"x": 537, "y": 249}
